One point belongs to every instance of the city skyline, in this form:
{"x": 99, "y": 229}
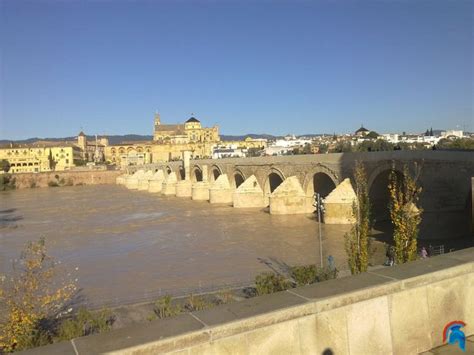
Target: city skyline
{"x": 273, "y": 68}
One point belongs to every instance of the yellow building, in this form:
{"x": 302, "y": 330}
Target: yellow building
{"x": 35, "y": 158}
{"x": 64, "y": 156}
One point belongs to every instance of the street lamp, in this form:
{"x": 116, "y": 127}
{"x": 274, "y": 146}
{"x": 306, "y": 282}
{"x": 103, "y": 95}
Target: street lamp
{"x": 319, "y": 205}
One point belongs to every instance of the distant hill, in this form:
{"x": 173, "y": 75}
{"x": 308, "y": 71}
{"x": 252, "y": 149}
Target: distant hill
{"x": 112, "y": 139}
{"x": 117, "y": 139}
{"x": 225, "y": 137}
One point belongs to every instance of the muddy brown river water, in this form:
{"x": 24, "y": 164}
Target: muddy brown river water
{"x": 129, "y": 245}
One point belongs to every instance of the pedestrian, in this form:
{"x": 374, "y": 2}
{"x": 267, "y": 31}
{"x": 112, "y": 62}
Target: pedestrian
{"x": 424, "y": 253}
{"x": 331, "y": 263}
{"x": 391, "y": 256}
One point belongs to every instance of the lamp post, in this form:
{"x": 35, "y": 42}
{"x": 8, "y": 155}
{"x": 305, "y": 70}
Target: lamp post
{"x": 319, "y": 204}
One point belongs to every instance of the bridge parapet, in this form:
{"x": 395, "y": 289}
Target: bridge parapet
{"x": 400, "y": 310}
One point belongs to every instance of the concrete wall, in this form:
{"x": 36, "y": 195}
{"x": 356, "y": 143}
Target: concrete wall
{"x": 472, "y": 204}
{"x": 394, "y": 310}
{"x": 95, "y": 177}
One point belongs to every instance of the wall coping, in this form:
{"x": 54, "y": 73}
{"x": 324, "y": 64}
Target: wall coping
{"x": 222, "y": 321}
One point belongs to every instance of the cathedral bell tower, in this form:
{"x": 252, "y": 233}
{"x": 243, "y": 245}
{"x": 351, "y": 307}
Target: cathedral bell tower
{"x": 157, "y": 119}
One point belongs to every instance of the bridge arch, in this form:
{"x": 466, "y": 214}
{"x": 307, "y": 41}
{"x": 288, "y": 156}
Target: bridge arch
{"x": 181, "y": 173}
{"x": 274, "y": 178}
{"x": 378, "y": 190}
{"x": 196, "y": 174}
{"x": 215, "y": 172}
{"x": 238, "y": 179}
{"x": 321, "y": 180}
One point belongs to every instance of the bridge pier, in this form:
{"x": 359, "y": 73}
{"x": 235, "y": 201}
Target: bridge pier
{"x": 184, "y": 188}
{"x": 156, "y": 182}
{"x": 249, "y": 194}
{"x": 169, "y": 185}
{"x": 220, "y": 191}
{"x": 288, "y": 198}
{"x": 120, "y": 180}
{"x": 144, "y": 181}
{"x": 200, "y": 191}
{"x": 339, "y": 204}
{"x": 132, "y": 181}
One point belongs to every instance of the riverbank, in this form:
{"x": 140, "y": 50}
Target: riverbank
{"x": 64, "y": 178}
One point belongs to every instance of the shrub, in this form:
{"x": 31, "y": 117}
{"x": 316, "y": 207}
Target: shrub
{"x": 85, "y": 323}
{"x": 224, "y": 297}
{"x": 326, "y": 273}
{"x": 7, "y": 182}
{"x": 269, "y": 282}
{"x": 32, "y": 184}
{"x": 196, "y": 303}
{"x": 405, "y": 212}
{"x": 69, "y": 182}
{"x": 357, "y": 240}
{"x": 62, "y": 181}
{"x": 164, "y": 308}
{"x": 304, "y": 275}
{"x": 309, "y": 274}
{"x": 34, "y": 295}
{"x": 53, "y": 183}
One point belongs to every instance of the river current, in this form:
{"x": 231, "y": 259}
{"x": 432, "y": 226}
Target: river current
{"x": 124, "y": 245}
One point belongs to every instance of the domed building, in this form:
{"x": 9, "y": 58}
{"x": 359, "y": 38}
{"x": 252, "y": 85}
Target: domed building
{"x": 189, "y": 132}
{"x": 362, "y": 132}
{"x": 169, "y": 142}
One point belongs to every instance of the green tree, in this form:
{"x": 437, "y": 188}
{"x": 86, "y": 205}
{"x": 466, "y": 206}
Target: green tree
{"x": 323, "y": 148}
{"x": 343, "y": 147}
{"x": 405, "y": 213}
{"x": 375, "y": 146}
{"x": 459, "y": 143}
{"x": 372, "y": 135}
{"x": 307, "y": 148}
{"x": 4, "y": 165}
{"x": 254, "y": 152}
{"x": 357, "y": 240}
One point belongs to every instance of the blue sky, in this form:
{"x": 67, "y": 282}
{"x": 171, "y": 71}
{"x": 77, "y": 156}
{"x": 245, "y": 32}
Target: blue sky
{"x": 250, "y": 66}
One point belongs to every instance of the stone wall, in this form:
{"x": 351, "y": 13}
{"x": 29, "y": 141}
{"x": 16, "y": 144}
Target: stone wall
{"x": 395, "y": 310}
{"x": 70, "y": 178}
{"x": 445, "y": 179}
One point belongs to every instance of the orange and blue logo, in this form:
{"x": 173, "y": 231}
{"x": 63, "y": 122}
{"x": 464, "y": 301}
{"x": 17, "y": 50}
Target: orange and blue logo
{"x": 453, "y": 334}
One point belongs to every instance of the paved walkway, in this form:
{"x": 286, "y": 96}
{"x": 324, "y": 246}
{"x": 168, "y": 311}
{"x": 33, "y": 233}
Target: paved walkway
{"x": 449, "y": 349}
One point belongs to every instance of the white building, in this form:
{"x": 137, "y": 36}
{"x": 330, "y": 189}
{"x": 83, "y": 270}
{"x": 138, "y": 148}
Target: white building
{"x": 452, "y": 132}
{"x": 219, "y": 153}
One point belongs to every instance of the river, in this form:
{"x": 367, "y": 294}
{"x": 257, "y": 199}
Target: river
{"x": 125, "y": 246}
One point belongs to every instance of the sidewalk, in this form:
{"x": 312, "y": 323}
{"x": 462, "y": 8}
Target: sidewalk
{"x": 449, "y": 349}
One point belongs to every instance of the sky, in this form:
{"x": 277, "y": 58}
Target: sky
{"x": 273, "y": 67}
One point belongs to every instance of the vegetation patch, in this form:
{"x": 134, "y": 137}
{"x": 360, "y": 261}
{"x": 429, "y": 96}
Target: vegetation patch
{"x": 7, "y": 182}
{"x": 35, "y": 304}
{"x": 85, "y": 323}
{"x": 270, "y": 282}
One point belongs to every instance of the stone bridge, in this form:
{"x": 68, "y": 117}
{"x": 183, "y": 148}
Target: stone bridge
{"x": 445, "y": 179}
